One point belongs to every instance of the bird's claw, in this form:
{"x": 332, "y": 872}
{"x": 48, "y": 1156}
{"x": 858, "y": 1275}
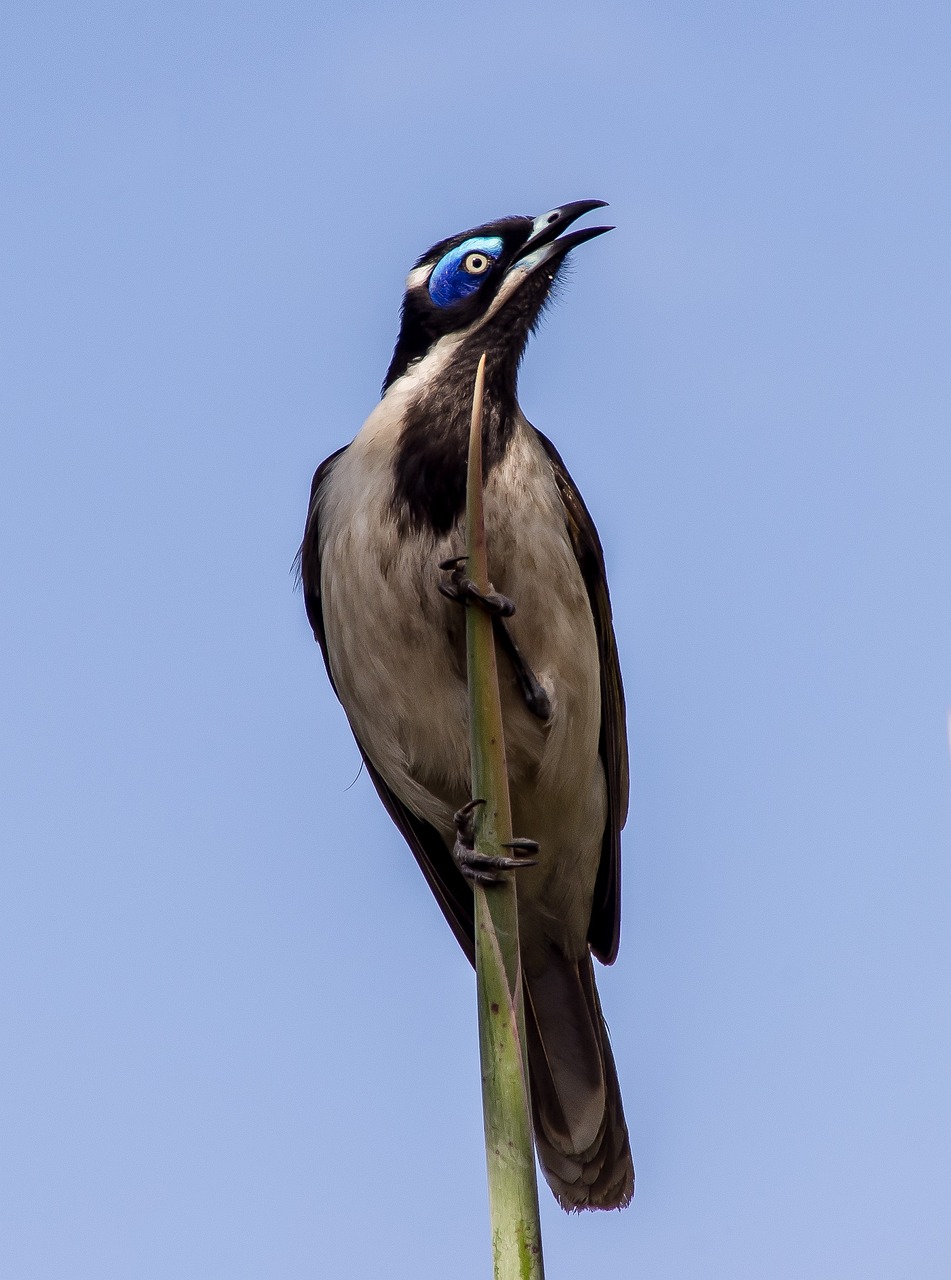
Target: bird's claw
{"x": 485, "y": 868}
{"x": 522, "y": 844}
{"x": 453, "y": 564}
{"x": 463, "y": 590}
{"x": 464, "y": 822}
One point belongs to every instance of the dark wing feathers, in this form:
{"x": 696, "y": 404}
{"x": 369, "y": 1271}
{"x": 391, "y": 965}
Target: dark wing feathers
{"x": 604, "y": 932}
{"x": 308, "y": 559}
{"x": 442, "y": 875}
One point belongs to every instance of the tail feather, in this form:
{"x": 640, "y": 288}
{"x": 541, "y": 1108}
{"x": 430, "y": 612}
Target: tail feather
{"x": 580, "y": 1132}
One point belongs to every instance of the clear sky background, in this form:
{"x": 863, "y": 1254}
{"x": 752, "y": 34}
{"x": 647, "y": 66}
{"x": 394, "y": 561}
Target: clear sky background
{"x": 238, "y": 1039}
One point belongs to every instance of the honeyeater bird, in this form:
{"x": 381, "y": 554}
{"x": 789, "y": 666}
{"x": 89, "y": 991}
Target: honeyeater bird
{"x": 383, "y": 576}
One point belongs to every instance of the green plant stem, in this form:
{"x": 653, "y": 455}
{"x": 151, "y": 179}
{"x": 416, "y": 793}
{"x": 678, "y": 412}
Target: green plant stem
{"x": 510, "y": 1155}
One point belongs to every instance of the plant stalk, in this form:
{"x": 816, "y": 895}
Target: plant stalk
{"x": 509, "y": 1149}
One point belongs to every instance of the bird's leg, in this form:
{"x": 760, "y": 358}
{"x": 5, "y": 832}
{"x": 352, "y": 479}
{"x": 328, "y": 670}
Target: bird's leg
{"x": 485, "y": 868}
{"x": 536, "y": 699}
{"x": 463, "y": 590}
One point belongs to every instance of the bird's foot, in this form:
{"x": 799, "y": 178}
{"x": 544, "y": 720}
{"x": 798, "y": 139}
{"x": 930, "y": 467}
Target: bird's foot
{"x": 463, "y": 590}
{"x": 485, "y": 868}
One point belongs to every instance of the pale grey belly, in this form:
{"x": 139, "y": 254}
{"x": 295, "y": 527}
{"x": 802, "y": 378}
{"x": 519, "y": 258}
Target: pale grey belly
{"x": 397, "y": 653}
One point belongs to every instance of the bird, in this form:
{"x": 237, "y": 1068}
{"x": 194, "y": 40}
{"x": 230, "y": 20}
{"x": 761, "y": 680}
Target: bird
{"x": 383, "y": 572}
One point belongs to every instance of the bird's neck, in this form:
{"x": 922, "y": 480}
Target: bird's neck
{"x": 429, "y": 465}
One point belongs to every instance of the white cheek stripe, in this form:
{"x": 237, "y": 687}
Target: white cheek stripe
{"x": 421, "y": 372}
{"x": 417, "y": 277}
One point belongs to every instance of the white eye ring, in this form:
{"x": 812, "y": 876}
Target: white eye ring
{"x": 477, "y": 264}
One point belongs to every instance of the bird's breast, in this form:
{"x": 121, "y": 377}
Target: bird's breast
{"x": 397, "y": 647}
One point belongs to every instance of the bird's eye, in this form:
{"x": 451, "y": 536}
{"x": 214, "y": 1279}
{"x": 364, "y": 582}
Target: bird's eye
{"x": 477, "y": 264}
{"x": 462, "y": 271}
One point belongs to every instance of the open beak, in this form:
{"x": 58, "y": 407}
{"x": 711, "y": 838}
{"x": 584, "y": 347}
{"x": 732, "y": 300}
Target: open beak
{"x": 545, "y": 242}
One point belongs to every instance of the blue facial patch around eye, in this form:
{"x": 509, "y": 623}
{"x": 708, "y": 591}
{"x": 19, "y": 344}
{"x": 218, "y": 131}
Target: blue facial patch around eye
{"x": 450, "y": 282}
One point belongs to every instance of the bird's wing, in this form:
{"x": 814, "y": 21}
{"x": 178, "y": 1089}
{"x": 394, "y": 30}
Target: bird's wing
{"x": 442, "y": 875}
{"x": 605, "y": 927}
{"x": 308, "y": 559}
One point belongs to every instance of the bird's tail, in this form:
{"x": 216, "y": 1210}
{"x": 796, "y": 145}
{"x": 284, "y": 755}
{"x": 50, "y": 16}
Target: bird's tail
{"x": 580, "y": 1132}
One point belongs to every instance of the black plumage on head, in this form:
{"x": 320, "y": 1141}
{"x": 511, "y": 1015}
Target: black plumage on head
{"x": 423, "y": 322}
{"x": 430, "y": 463}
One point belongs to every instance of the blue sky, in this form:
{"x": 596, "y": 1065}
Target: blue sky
{"x": 239, "y": 1039}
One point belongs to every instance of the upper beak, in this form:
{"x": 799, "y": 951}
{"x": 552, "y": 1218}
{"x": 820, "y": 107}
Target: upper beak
{"x": 543, "y": 243}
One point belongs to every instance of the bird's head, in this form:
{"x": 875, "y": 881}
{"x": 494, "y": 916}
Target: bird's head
{"x": 485, "y": 289}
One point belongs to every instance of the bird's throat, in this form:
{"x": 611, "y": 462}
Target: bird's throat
{"x": 429, "y": 466}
